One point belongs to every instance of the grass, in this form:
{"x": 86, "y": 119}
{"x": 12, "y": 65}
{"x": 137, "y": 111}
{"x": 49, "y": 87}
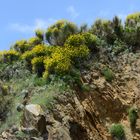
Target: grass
{"x": 117, "y": 130}
{"x": 108, "y": 74}
{"x": 133, "y": 116}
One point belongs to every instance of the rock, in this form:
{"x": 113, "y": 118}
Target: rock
{"x": 58, "y": 132}
{"x": 20, "y": 107}
{"x": 34, "y": 109}
{"x": 33, "y": 120}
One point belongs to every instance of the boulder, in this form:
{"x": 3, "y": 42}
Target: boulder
{"x": 34, "y": 120}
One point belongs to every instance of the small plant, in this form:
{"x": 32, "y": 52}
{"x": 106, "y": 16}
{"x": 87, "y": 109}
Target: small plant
{"x": 117, "y": 130}
{"x": 133, "y": 116}
{"x": 109, "y": 76}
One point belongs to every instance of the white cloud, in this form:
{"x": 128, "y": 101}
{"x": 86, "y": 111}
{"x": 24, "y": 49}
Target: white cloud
{"x": 72, "y": 11}
{"x": 26, "y": 28}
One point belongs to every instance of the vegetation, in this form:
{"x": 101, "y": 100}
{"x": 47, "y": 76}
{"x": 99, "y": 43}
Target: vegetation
{"x": 133, "y": 116}
{"x": 52, "y": 62}
{"x": 109, "y": 76}
{"x": 117, "y": 130}
{"x": 5, "y": 101}
{"x": 58, "y": 33}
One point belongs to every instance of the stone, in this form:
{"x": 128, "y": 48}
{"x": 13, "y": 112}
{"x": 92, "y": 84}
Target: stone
{"x": 33, "y": 120}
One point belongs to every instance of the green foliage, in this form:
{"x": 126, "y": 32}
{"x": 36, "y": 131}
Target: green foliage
{"x": 133, "y": 19}
{"x": 39, "y": 50}
{"x": 109, "y": 75}
{"x": 132, "y": 31}
{"x": 133, "y": 116}
{"x": 118, "y": 47}
{"x": 59, "y": 32}
{"x": 62, "y": 59}
{"x": 104, "y": 30}
{"x": 117, "y": 130}
{"x": 34, "y": 41}
{"x": 39, "y": 81}
{"x": 9, "y": 56}
{"x": 21, "y": 46}
{"x": 38, "y": 65}
{"x": 118, "y": 27}
{"x": 75, "y": 40}
{"x": 84, "y": 28}
{"x": 40, "y": 34}
{"x": 5, "y": 101}
{"x": 91, "y": 41}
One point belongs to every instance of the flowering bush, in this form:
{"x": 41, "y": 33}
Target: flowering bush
{"x": 34, "y": 41}
{"x": 133, "y": 19}
{"x": 9, "y": 56}
{"x": 75, "y": 40}
{"x": 62, "y": 59}
{"x": 21, "y": 46}
{"x": 38, "y": 65}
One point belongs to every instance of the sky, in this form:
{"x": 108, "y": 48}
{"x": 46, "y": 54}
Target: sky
{"x": 20, "y": 18}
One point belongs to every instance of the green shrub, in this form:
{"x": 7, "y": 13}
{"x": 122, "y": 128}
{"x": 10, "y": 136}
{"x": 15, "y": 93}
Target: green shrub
{"x": 104, "y": 30}
{"x": 40, "y": 34}
{"x": 60, "y": 31}
{"x": 37, "y": 51}
{"x": 38, "y": 65}
{"x": 75, "y": 40}
{"x": 109, "y": 76}
{"x": 9, "y": 56}
{"x": 91, "y": 41}
{"x": 133, "y": 116}
{"x": 132, "y": 31}
{"x": 62, "y": 59}
{"x": 21, "y": 46}
{"x": 34, "y": 41}
{"x": 117, "y": 130}
{"x": 133, "y": 19}
{"x": 118, "y": 47}
{"x": 39, "y": 81}
{"x": 118, "y": 27}
{"x": 5, "y": 101}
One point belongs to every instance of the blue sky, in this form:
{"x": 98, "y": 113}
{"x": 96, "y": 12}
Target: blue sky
{"x": 19, "y": 18}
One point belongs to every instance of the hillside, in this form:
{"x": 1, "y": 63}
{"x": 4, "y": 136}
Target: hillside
{"x": 73, "y": 83}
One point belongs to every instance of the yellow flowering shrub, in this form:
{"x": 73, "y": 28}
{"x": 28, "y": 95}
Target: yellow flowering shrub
{"x": 9, "y": 56}
{"x": 21, "y": 46}
{"x": 83, "y": 39}
{"x": 62, "y": 59}
{"x": 133, "y": 19}
{"x": 58, "y": 63}
{"x": 39, "y": 50}
{"x": 34, "y": 41}
{"x": 75, "y": 40}
{"x": 38, "y": 65}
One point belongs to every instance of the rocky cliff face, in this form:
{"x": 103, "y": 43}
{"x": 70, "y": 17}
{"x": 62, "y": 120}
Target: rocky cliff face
{"x": 88, "y": 115}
